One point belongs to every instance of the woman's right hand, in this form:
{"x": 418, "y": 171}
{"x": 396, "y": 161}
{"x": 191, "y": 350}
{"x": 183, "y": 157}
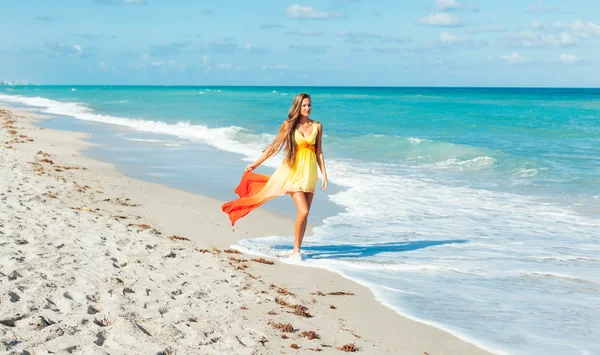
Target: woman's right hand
{"x": 251, "y": 167}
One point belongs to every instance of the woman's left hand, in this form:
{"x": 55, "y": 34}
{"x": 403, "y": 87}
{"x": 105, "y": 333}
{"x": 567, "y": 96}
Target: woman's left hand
{"x": 324, "y": 185}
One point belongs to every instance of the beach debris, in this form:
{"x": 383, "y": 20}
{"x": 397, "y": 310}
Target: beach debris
{"x": 337, "y": 293}
{"x": 44, "y": 322}
{"x": 70, "y": 225}
{"x": 310, "y": 335}
{"x": 168, "y": 351}
{"x": 332, "y": 307}
{"x": 140, "y": 226}
{"x": 315, "y": 349}
{"x": 263, "y": 340}
{"x": 340, "y": 293}
{"x": 140, "y": 327}
{"x": 46, "y": 160}
{"x": 283, "y": 336}
{"x": 120, "y": 201}
{"x": 282, "y": 302}
{"x": 10, "y": 322}
{"x": 272, "y": 313}
{"x": 244, "y": 308}
{"x": 80, "y": 188}
{"x": 263, "y": 261}
{"x": 349, "y": 348}
{"x": 232, "y": 251}
{"x": 176, "y": 237}
{"x": 300, "y": 310}
{"x": 294, "y": 346}
{"x": 284, "y": 327}
{"x": 104, "y": 322}
{"x": 285, "y": 292}
{"x": 203, "y": 251}
{"x": 66, "y": 167}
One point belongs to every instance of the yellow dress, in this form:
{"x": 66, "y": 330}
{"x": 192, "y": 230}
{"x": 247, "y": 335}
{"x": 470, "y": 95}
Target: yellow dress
{"x": 303, "y": 176}
{"x": 256, "y": 189}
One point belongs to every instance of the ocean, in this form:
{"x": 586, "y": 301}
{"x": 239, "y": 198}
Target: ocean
{"x": 475, "y": 210}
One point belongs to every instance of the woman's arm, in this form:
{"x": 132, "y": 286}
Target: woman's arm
{"x": 264, "y": 156}
{"x": 267, "y": 153}
{"x": 320, "y": 156}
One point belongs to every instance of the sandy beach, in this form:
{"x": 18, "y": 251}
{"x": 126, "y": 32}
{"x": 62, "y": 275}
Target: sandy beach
{"x": 95, "y": 262}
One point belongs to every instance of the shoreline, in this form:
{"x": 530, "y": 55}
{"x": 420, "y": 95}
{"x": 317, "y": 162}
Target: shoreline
{"x": 169, "y": 211}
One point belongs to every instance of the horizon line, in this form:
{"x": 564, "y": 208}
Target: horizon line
{"x": 316, "y": 86}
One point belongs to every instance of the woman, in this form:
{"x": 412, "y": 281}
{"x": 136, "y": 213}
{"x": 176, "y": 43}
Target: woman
{"x": 297, "y": 174}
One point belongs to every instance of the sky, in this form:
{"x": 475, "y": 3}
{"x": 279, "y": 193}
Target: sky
{"x": 509, "y": 43}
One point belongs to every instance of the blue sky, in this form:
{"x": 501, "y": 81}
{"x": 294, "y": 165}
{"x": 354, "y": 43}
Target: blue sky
{"x": 318, "y": 42}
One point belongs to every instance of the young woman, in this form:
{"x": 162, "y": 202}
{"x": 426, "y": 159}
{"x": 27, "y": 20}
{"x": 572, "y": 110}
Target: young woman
{"x": 297, "y": 175}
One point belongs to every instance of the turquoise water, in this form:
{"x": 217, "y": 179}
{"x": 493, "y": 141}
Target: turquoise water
{"x": 475, "y": 210}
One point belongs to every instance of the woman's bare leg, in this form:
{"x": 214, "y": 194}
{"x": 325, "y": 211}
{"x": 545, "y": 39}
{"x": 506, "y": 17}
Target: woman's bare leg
{"x": 309, "y": 198}
{"x": 300, "y": 200}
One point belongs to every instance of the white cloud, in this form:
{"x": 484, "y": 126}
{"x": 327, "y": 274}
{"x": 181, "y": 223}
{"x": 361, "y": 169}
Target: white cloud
{"x": 134, "y": 1}
{"x": 308, "y": 33}
{"x": 61, "y": 49}
{"x": 453, "y": 40}
{"x": 308, "y": 13}
{"x": 274, "y": 67}
{"x": 513, "y": 58}
{"x": 540, "y": 8}
{"x": 16, "y": 82}
{"x": 557, "y": 35}
{"x": 585, "y": 30}
{"x": 248, "y": 48}
{"x": 78, "y": 49}
{"x": 169, "y": 65}
{"x": 488, "y": 29}
{"x": 224, "y": 66}
{"x": 309, "y": 48}
{"x": 568, "y": 58}
{"x": 536, "y": 24}
{"x": 365, "y": 36}
{"x": 144, "y": 56}
{"x": 205, "y": 59}
{"x": 441, "y": 19}
{"x": 452, "y": 5}
{"x": 533, "y": 39}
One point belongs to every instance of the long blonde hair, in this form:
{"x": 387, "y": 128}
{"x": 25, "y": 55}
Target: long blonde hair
{"x": 285, "y": 137}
